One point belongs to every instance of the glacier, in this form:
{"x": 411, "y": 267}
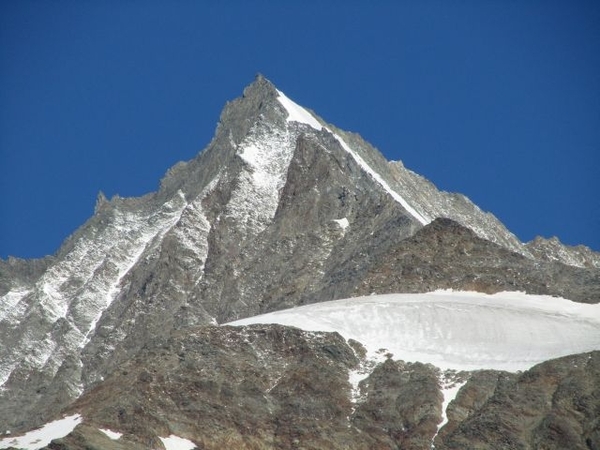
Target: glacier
{"x": 456, "y": 330}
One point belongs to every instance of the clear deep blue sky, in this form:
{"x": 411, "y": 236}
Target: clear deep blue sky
{"x": 498, "y": 100}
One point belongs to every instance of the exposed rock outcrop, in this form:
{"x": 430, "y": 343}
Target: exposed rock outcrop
{"x": 274, "y": 387}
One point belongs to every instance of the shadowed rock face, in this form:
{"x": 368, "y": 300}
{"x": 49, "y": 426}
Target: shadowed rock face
{"x": 272, "y": 214}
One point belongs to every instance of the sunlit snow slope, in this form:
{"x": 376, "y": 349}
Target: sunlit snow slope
{"x": 459, "y": 330}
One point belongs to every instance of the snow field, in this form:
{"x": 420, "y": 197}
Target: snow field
{"x": 455, "y": 330}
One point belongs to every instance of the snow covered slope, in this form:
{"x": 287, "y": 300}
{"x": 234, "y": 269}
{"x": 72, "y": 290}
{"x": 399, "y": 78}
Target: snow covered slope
{"x": 455, "y": 330}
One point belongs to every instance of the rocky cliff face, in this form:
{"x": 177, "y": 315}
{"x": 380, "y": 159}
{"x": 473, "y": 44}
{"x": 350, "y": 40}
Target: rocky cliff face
{"x": 281, "y": 209}
{"x": 553, "y": 250}
{"x": 447, "y": 255}
{"x": 273, "y": 387}
{"x": 554, "y": 405}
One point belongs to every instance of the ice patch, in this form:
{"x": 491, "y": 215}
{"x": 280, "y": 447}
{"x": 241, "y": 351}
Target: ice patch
{"x": 41, "y": 437}
{"x": 176, "y": 443}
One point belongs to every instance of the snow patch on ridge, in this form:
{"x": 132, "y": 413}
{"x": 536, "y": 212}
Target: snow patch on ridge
{"x": 362, "y": 163}
{"x": 343, "y": 223}
{"x": 418, "y": 191}
{"x": 176, "y": 443}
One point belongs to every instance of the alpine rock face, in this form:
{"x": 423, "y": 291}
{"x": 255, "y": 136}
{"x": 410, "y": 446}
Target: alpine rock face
{"x": 280, "y": 210}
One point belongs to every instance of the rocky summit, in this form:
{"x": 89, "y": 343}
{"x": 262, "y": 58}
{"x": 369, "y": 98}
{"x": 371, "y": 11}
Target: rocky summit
{"x": 122, "y": 331}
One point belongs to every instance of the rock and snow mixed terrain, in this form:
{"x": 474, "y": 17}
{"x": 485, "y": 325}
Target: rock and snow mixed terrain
{"x": 41, "y": 437}
{"x": 283, "y": 210}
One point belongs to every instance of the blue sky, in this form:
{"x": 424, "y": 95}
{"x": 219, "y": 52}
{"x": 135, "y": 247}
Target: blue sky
{"x": 498, "y": 100}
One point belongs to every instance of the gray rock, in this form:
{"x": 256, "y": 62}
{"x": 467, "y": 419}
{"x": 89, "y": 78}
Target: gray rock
{"x": 273, "y": 387}
{"x": 553, "y": 250}
{"x": 555, "y": 405}
{"x": 446, "y": 255}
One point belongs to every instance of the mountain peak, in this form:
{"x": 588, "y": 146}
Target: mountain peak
{"x": 259, "y": 100}
{"x": 260, "y": 84}
{"x": 262, "y": 93}
{"x": 281, "y": 209}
